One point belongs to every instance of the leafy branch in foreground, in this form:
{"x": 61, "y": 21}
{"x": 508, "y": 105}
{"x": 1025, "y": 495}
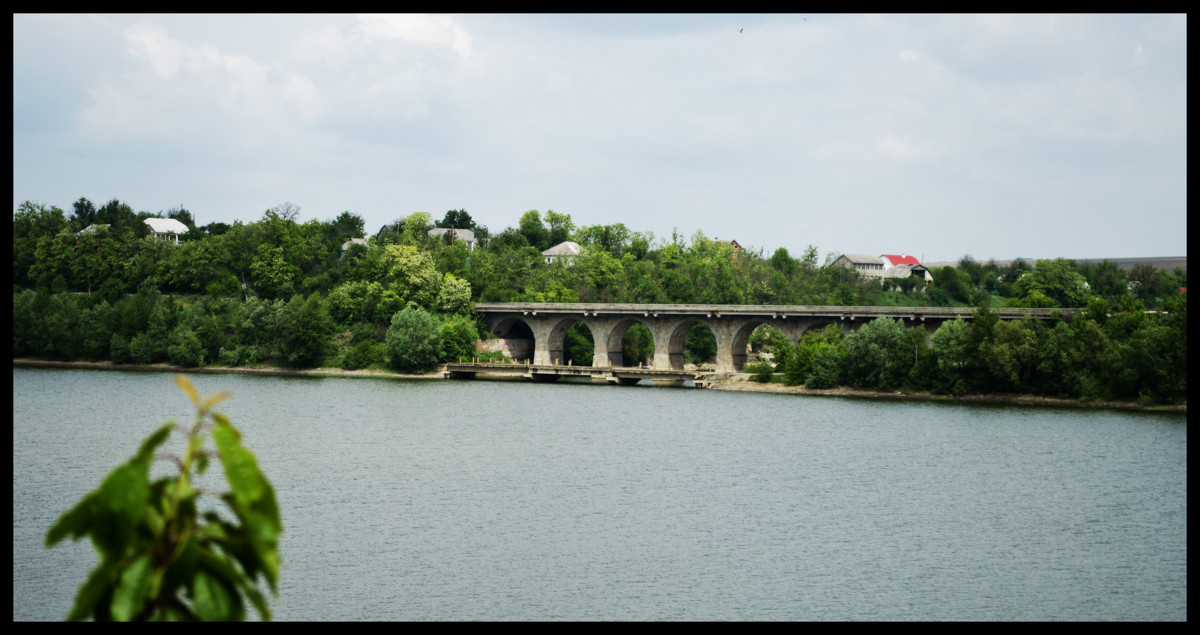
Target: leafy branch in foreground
{"x": 162, "y": 559}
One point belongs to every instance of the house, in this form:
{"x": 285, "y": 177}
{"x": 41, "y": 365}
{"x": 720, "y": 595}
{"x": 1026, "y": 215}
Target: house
{"x": 891, "y": 260}
{"x": 885, "y": 267}
{"x": 914, "y": 266}
{"x": 737, "y": 249}
{"x": 465, "y": 235}
{"x": 565, "y": 251}
{"x": 868, "y": 266}
{"x": 167, "y": 229}
{"x": 90, "y": 229}
{"x": 352, "y": 242}
{"x": 904, "y": 271}
{"x": 387, "y": 228}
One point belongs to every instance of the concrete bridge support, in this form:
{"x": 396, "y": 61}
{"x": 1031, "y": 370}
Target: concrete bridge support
{"x": 732, "y": 336}
{"x": 669, "y": 325}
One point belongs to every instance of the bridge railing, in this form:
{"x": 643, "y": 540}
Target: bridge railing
{"x": 756, "y": 309}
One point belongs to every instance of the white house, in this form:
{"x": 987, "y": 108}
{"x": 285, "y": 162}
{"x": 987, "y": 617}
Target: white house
{"x": 565, "y": 251}
{"x": 465, "y": 235}
{"x": 167, "y": 229}
{"x": 353, "y": 241}
{"x": 867, "y": 265}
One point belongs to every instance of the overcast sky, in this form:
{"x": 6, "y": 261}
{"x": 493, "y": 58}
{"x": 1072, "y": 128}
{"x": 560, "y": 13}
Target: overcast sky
{"x": 938, "y": 136}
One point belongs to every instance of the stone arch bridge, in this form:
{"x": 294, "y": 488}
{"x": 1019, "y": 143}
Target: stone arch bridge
{"x": 670, "y": 323}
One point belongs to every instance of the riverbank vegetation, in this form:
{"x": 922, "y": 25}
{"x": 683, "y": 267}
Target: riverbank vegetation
{"x": 95, "y": 285}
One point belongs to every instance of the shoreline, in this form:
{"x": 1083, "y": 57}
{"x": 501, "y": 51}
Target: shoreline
{"x": 739, "y": 382}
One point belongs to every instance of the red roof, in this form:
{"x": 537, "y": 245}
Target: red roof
{"x": 902, "y": 260}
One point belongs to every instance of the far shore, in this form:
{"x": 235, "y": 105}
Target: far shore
{"x": 738, "y": 382}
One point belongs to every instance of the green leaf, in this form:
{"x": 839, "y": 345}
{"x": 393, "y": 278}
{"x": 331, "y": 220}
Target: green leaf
{"x": 179, "y": 571}
{"x": 75, "y": 523}
{"x": 118, "y": 506}
{"x": 93, "y": 590}
{"x": 130, "y": 595}
{"x": 253, "y": 494}
{"x": 214, "y": 600}
{"x": 94, "y": 509}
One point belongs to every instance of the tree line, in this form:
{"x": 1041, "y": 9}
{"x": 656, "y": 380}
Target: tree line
{"x": 1098, "y": 355}
{"x": 93, "y": 284}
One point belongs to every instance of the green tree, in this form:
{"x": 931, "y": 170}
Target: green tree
{"x": 1056, "y": 279}
{"x": 415, "y": 228}
{"x": 354, "y": 301}
{"x": 83, "y": 214}
{"x": 458, "y": 339}
{"x": 414, "y": 340}
{"x": 1150, "y": 284}
{"x": 578, "y": 345}
{"x": 700, "y": 347}
{"x": 560, "y": 227}
{"x": 534, "y": 231}
{"x": 454, "y": 295}
{"x": 304, "y": 330}
{"x": 783, "y": 262}
{"x": 457, "y": 219}
{"x": 162, "y": 559}
{"x": 875, "y": 355}
{"x": 31, "y": 222}
{"x": 826, "y": 368}
{"x": 1012, "y": 354}
{"x": 414, "y": 276}
{"x": 346, "y": 226}
{"x": 272, "y": 275}
{"x": 1105, "y": 279}
{"x": 184, "y": 348}
{"x": 637, "y": 346}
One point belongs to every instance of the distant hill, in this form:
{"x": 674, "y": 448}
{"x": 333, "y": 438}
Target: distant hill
{"x": 1169, "y": 263}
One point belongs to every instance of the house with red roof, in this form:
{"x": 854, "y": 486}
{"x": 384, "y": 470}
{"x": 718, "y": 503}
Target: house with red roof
{"x": 903, "y": 265}
{"x": 885, "y": 266}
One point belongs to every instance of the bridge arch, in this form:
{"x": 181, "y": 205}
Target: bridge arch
{"x": 670, "y": 355}
{"x": 731, "y": 325}
{"x": 556, "y": 337}
{"x": 517, "y": 333}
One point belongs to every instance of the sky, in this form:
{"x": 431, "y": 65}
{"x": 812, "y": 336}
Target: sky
{"x": 939, "y": 136}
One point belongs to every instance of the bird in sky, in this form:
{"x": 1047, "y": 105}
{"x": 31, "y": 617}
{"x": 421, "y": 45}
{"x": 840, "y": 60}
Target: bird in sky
{"x": 740, "y": 30}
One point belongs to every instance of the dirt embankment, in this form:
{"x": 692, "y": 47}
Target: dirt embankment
{"x": 248, "y": 370}
{"x": 739, "y": 382}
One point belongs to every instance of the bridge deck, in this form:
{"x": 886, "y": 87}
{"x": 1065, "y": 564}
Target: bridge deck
{"x": 587, "y": 308}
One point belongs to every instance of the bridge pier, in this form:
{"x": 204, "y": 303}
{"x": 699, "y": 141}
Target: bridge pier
{"x": 731, "y": 326}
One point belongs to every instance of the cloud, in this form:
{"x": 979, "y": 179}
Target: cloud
{"x": 189, "y": 84}
{"x": 418, "y": 29}
{"x": 895, "y": 148}
{"x": 1139, "y": 56}
{"x": 909, "y": 55}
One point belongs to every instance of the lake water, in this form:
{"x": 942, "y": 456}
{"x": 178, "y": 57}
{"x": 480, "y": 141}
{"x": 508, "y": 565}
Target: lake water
{"x": 440, "y": 500}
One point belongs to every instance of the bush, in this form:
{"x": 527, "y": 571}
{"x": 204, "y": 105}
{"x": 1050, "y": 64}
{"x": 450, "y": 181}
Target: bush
{"x": 304, "y": 330}
{"x": 226, "y": 286}
{"x": 364, "y": 354}
{"x": 458, "y": 339}
{"x": 143, "y": 350}
{"x": 414, "y": 340}
{"x": 118, "y": 350}
{"x": 825, "y": 366}
{"x": 184, "y": 348}
{"x": 759, "y": 371}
